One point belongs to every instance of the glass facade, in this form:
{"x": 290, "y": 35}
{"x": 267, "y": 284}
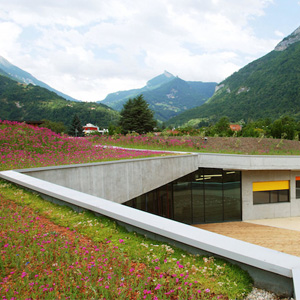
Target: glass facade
{"x": 204, "y": 196}
{"x": 297, "y": 187}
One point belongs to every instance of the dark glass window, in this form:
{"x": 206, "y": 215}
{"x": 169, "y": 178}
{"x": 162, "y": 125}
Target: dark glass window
{"x": 198, "y": 197}
{"x": 182, "y": 200}
{"x": 151, "y": 202}
{"x": 297, "y": 189}
{"x": 213, "y": 185}
{"x": 274, "y": 197}
{"x": 165, "y": 201}
{"x": 265, "y": 197}
{"x": 283, "y": 196}
{"x": 261, "y": 197}
{"x": 140, "y": 202}
{"x": 204, "y": 196}
{"x": 232, "y": 195}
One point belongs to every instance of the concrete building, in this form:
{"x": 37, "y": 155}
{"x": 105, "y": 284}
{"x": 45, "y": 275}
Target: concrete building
{"x": 194, "y": 188}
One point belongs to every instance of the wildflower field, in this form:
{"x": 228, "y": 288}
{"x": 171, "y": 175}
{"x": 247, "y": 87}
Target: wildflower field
{"x": 24, "y": 146}
{"x": 52, "y": 252}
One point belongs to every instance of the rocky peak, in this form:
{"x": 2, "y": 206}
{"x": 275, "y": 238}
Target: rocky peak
{"x": 167, "y": 74}
{"x": 289, "y": 40}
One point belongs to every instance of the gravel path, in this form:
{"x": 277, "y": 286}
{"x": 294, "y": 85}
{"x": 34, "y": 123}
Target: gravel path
{"x": 258, "y": 294}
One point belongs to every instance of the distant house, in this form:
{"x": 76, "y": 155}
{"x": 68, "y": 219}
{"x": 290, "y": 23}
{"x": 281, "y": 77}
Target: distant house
{"x": 90, "y": 128}
{"x": 235, "y": 127}
{"x": 34, "y": 123}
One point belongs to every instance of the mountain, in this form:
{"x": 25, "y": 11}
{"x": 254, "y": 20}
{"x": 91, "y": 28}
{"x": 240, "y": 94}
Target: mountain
{"x": 19, "y": 75}
{"x": 267, "y": 87}
{"x": 116, "y": 100}
{"x": 166, "y": 95}
{"x": 27, "y": 102}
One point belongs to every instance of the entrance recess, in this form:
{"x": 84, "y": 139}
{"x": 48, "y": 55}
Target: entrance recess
{"x": 205, "y": 196}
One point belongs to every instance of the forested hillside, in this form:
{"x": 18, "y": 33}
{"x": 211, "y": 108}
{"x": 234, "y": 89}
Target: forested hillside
{"x": 268, "y": 87}
{"x": 21, "y": 102}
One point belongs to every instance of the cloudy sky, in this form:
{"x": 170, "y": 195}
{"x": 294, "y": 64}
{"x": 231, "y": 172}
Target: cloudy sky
{"x": 89, "y": 48}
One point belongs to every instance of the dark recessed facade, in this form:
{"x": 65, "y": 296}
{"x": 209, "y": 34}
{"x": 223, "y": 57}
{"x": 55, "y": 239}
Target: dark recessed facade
{"x": 205, "y": 196}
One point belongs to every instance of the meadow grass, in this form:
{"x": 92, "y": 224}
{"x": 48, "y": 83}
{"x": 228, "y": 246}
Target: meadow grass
{"x": 225, "y": 145}
{"x": 52, "y": 252}
{"x": 94, "y": 258}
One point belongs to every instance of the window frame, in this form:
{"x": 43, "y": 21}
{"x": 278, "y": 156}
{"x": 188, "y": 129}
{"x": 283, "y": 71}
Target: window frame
{"x": 272, "y": 196}
{"x": 297, "y": 189}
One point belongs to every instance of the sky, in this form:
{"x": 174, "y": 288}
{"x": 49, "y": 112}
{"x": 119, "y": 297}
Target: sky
{"x": 88, "y": 49}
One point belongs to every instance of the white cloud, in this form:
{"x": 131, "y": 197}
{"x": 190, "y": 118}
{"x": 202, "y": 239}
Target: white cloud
{"x": 90, "y": 48}
{"x": 279, "y": 33}
{"x": 9, "y": 33}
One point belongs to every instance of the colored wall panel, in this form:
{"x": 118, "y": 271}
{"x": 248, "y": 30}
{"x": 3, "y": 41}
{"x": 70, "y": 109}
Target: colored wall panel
{"x": 271, "y": 185}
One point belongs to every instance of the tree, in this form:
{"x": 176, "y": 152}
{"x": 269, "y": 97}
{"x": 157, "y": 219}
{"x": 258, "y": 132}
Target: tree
{"x": 222, "y": 127}
{"x": 284, "y": 127}
{"x": 137, "y": 116}
{"x": 57, "y": 127}
{"x": 76, "y": 128}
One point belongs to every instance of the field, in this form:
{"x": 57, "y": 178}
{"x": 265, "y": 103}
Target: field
{"x": 234, "y": 145}
{"x": 52, "y": 252}
{"x": 23, "y": 146}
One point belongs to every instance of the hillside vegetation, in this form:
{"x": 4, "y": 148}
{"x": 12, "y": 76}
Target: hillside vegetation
{"x": 21, "y": 102}
{"x": 267, "y": 87}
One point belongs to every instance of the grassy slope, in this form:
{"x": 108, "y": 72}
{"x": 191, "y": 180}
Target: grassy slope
{"x": 231, "y": 145}
{"x": 159, "y": 260}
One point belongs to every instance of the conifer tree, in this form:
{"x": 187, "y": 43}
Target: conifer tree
{"x": 137, "y": 116}
{"x": 76, "y": 128}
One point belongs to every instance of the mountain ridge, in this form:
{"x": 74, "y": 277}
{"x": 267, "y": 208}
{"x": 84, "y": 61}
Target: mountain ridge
{"x": 166, "y": 94}
{"x": 27, "y": 102}
{"x": 294, "y": 37}
{"x": 22, "y": 76}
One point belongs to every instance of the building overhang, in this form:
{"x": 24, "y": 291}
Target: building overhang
{"x": 249, "y": 162}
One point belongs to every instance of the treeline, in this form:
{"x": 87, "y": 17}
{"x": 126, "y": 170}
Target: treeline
{"x": 282, "y": 128}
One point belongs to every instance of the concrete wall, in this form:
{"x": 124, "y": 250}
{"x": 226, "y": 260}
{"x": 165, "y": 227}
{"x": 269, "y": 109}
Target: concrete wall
{"x": 249, "y": 162}
{"x": 119, "y": 181}
{"x": 271, "y": 210}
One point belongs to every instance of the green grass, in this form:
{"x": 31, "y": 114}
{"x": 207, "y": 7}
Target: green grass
{"x": 168, "y": 268}
{"x": 225, "y": 145}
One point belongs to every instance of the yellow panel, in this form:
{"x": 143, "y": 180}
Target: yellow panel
{"x": 271, "y": 185}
